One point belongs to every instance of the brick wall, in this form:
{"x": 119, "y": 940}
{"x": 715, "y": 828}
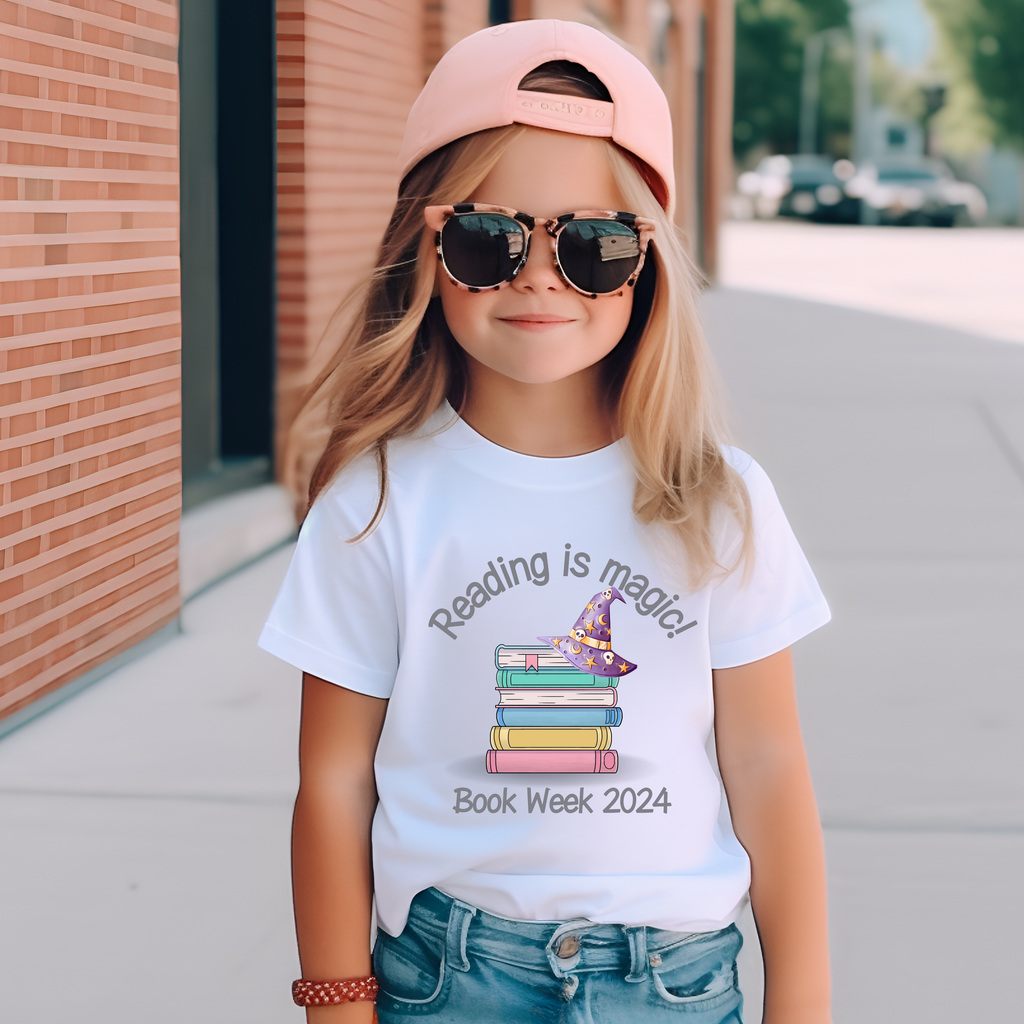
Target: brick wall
{"x": 89, "y": 335}
{"x": 348, "y": 72}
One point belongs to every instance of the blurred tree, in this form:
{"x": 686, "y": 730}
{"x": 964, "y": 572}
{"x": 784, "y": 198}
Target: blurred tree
{"x": 770, "y": 36}
{"x": 988, "y": 35}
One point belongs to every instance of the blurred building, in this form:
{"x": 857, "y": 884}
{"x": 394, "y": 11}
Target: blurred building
{"x": 131, "y": 393}
{"x": 894, "y": 134}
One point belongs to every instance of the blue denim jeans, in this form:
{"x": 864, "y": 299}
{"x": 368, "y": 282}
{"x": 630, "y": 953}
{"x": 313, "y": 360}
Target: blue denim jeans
{"x": 456, "y": 963}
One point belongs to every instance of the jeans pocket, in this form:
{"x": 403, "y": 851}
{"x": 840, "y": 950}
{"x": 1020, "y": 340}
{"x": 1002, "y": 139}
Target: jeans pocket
{"x": 700, "y": 974}
{"x": 702, "y": 990}
{"x": 413, "y": 976}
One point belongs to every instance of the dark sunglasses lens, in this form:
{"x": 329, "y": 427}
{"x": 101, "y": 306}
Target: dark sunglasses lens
{"x": 598, "y": 255}
{"x": 482, "y": 249}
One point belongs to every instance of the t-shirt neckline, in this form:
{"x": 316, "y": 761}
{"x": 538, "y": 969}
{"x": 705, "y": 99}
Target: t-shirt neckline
{"x": 457, "y": 436}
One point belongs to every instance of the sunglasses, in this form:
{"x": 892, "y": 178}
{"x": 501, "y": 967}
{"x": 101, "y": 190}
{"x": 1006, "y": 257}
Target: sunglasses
{"x": 483, "y": 247}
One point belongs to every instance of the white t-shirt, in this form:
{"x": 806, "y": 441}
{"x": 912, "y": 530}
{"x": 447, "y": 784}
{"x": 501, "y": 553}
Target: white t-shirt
{"x": 480, "y": 553}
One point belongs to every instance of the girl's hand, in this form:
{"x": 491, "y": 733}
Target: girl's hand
{"x": 771, "y": 800}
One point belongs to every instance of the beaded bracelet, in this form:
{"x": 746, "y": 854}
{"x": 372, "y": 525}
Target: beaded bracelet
{"x": 330, "y": 993}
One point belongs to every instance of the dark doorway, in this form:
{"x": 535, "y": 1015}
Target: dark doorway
{"x": 246, "y": 204}
{"x": 228, "y": 207}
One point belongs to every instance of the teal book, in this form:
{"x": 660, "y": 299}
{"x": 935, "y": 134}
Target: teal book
{"x": 567, "y": 676}
{"x": 559, "y": 717}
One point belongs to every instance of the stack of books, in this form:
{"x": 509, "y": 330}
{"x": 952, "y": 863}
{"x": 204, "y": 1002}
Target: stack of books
{"x": 551, "y": 716}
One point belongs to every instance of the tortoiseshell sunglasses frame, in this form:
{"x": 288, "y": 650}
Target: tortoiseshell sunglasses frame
{"x": 437, "y": 216}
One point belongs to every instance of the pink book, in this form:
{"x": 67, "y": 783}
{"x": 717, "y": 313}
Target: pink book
{"x": 589, "y": 761}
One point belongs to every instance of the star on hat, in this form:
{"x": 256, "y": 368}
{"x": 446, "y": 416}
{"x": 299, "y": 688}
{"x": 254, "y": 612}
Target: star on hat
{"x": 589, "y": 645}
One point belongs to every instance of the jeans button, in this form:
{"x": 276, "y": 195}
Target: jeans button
{"x": 568, "y": 947}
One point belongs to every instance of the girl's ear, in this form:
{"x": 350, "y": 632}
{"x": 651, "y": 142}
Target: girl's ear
{"x": 436, "y": 216}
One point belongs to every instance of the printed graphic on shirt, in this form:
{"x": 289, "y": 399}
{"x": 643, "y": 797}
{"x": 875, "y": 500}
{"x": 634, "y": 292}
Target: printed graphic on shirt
{"x": 558, "y": 704}
{"x": 503, "y": 577}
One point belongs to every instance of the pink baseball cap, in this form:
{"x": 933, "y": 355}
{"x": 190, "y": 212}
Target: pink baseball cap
{"x": 475, "y": 86}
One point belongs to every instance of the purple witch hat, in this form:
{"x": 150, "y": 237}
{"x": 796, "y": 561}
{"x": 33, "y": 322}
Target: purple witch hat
{"x": 589, "y": 646}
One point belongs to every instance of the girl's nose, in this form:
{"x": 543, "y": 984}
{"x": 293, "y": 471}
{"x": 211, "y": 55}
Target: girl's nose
{"x": 540, "y": 272}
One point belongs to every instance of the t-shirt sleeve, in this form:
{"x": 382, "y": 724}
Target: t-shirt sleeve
{"x": 335, "y": 615}
{"x": 761, "y": 612}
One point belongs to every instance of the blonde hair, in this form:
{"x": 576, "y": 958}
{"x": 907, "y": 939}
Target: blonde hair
{"x": 394, "y": 362}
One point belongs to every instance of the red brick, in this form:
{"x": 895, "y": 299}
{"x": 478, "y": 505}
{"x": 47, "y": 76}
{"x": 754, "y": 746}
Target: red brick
{"x": 37, "y": 189}
{"x": 41, "y": 450}
{"x": 26, "y": 549}
{"x": 36, "y": 156}
{"x": 25, "y": 486}
{"x": 49, "y": 223}
{"x": 22, "y": 85}
{"x": 58, "y": 477}
{"x": 40, "y": 387}
{"x": 41, "y": 513}
{"x": 39, "y": 21}
{"x": 18, "y": 358}
{"x": 11, "y": 523}
{"x": 11, "y": 118}
{"x": 33, "y": 323}
{"x": 57, "y": 414}
{"x": 23, "y": 424}
{"x": 10, "y": 458}
{"x": 11, "y": 587}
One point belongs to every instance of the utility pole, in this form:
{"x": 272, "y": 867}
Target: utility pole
{"x": 863, "y": 102}
{"x": 810, "y": 86}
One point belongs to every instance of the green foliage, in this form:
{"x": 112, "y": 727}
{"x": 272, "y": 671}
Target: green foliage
{"x": 770, "y": 36}
{"x": 989, "y": 37}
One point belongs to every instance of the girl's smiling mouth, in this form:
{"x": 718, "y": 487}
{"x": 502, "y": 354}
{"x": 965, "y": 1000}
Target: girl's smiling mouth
{"x": 536, "y": 321}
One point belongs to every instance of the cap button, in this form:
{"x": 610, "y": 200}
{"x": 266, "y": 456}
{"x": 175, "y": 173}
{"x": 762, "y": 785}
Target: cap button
{"x": 499, "y": 30}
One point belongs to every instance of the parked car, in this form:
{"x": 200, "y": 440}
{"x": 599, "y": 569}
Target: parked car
{"x": 915, "y": 190}
{"x": 806, "y": 185}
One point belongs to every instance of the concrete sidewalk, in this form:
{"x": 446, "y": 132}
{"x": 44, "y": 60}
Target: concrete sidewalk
{"x": 897, "y": 449}
{"x": 144, "y": 823}
{"x": 144, "y": 870}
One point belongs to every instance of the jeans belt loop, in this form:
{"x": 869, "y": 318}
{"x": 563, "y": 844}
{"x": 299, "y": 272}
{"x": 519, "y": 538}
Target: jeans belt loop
{"x": 637, "y": 936}
{"x": 563, "y": 966}
{"x": 458, "y": 927}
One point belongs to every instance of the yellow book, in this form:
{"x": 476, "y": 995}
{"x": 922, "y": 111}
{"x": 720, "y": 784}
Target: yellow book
{"x": 505, "y": 737}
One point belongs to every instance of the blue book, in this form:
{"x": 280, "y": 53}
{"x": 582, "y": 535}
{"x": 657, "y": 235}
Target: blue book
{"x": 566, "y": 718}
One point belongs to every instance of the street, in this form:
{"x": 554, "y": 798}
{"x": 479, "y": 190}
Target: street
{"x": 966, "y": 278}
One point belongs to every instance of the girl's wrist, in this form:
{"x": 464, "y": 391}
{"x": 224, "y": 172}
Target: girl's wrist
{"x": 332, "y": 993}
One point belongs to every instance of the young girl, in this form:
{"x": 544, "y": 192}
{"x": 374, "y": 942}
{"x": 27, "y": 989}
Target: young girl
{"x": 534, "y": 592}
